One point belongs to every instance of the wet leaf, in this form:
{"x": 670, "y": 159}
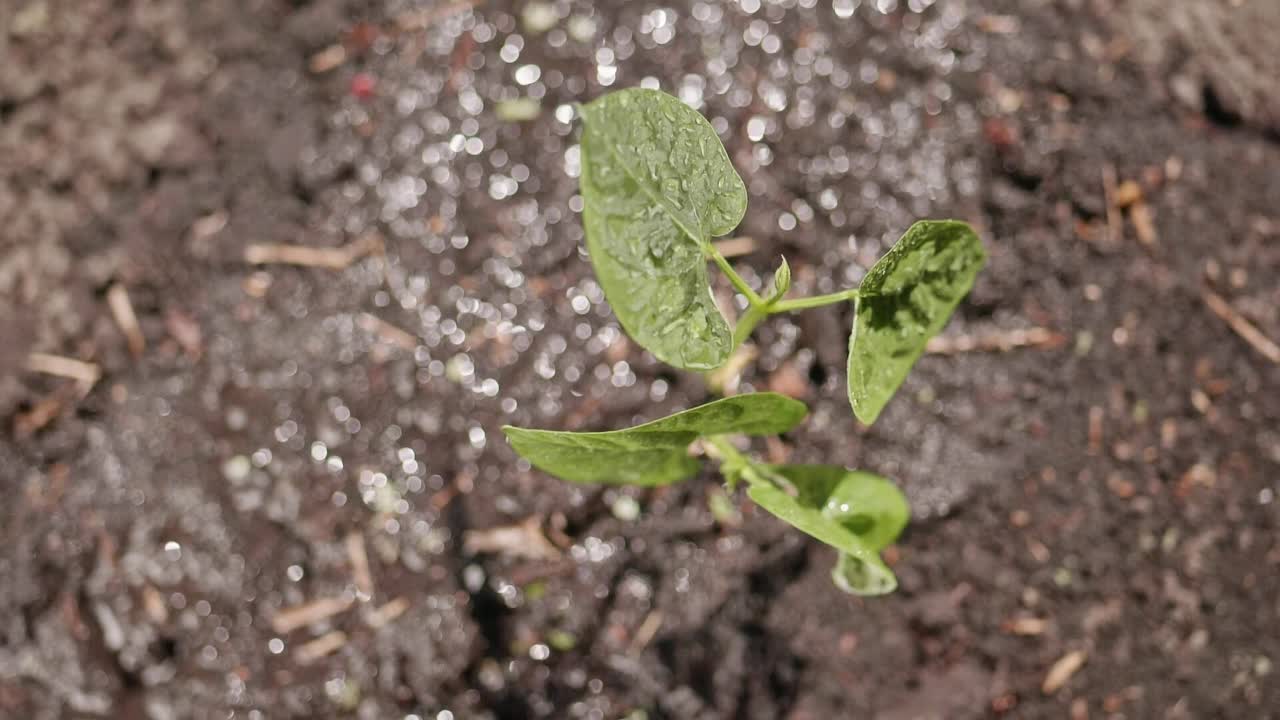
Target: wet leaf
{"x": 655, "y": 453}
{"x": 870, "y": 506}
{"x": 781, "y": 282}
{"x": 857, "y": 513}
{"x": 906, "y": 299}
{"x": 657, "y": 185}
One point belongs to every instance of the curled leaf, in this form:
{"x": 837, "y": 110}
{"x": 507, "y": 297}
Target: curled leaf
{"x": 906, "y": 298}
{"x": 857, "y": 577}
{"x": 781, "y": 282}
{"x": 870, "y": 506}
{"x": 857, "y": 513}
{"x": 657, "y": 185}
{"x": 655, "y": 453}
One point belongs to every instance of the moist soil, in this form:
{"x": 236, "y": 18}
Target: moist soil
{"x": 1095, "y": 514}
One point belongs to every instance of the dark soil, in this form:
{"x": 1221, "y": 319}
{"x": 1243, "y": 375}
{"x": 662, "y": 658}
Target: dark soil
{"x": 1112, "y": 495}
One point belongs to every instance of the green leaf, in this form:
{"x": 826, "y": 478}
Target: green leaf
{"x": 856, "y": 576}
{"x": 906, "y": 299}
{"x": 655, "y": 453}
{"x": 781, "y": 283}
{"x": 657, "y": 185}
{"x": 870, "y": 506}
{"x": 857, "y": 513}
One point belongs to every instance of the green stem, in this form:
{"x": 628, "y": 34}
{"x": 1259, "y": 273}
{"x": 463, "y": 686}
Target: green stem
{"x": 812, "y": 302}
{"x": 734, "y": 465}
{"x": 725, "y": 452}
{"x": 738, "y": 283}
{"x": 759, "y": 308}
{"x": 748, "y": 322}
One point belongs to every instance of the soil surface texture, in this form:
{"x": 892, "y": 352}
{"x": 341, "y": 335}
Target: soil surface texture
{"x": 273, "y": 274}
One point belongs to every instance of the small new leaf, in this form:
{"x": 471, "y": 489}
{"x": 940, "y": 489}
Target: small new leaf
{"x": 857, "y": 513}
{"x": 657, "y": 185}
{"x": 655, "y": 453}
{"x": 781, "y": 283}
{"x": 905, "y": 299}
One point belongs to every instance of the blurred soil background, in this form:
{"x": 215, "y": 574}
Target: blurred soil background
{"x": 274, "y": 273}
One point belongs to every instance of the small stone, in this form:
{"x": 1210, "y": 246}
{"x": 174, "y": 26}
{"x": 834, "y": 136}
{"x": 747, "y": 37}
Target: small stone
{"x": 1262, "y": 666}
{"x": 582, "y": 28}
{"x": 31, "y": 19}
{"x": 518, "y": 110}
{"x": 538, "y": 17}
{"x": 1128, "y": 193}
{"x": 152, "y": 140}
{"x": 1062, "y": 670}
{"x": 625, "y": 508}
{"x": 236, "y": 469}
{"x": 790, "y": 380}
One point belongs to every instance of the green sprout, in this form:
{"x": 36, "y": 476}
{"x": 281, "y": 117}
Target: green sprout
{"x": 657, "y": 186}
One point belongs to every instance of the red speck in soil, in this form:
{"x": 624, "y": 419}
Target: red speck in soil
{"x": 363, "y": 85}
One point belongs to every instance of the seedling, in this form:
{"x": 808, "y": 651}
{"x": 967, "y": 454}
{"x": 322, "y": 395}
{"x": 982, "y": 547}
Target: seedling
{"x": 657, "y": 186}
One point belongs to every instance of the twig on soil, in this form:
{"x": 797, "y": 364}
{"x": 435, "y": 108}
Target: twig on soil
{"x": 522, "y": 575}
{"x": 778, "y": 452}
{"x": 314, "y": 650}
{"x": 86, "y": 374}
{"x": 387, "y": 332}
{"x": 1114, "y": 220}
{"x": 1025, "y": 626}
{"x": 1143, "y": 224}
{"x": 208, "y": 226}
{"x": 360, "y": 566}
{"x": 1198, "y": 474}
{"x": 1038, "y": 550}
{"x": 524, "y": 539}
{"x": 292, "y": 618}
{"x": 736, "y": 246}
{"x": 555, "y": 531}
{"x": 46, "y": 495}
{"x": 387, "y": 614}
{"x": 186, "y": 331}
{"x": 154, "y": 606}
{"x": 1126, "y": 194}
{"x": 338, "y": 258}
{"x": 1095, "y": 430}
{"x": 441, "y": 500}
{"x": 724, "y": 380}
{"x": 122, "y": 311}
{"x": 1062, "y": 670}
{"x": 644, "y": 634}
{"x": 1242, "y": 327}
{"x": 327, "y": 59}
{"x": 44, "y": 411}
{"x": 997, "y": 341}
{"x": 999, "y": 24}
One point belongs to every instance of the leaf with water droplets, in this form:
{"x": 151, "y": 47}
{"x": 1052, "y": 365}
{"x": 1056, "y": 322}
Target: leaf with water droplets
{"x": 855, "y": 512}
{"x": 655, "y": 453}
{"x": 906, "y": 298}
{"x": 657, "y": 185}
